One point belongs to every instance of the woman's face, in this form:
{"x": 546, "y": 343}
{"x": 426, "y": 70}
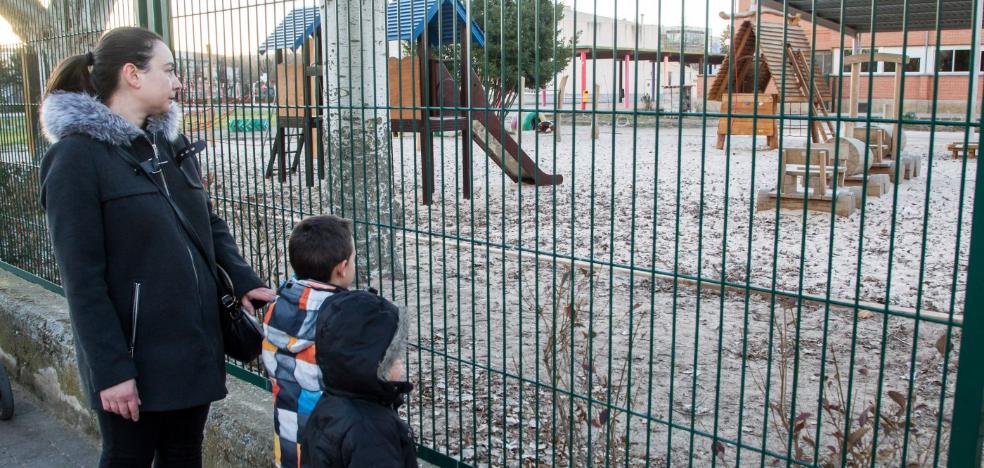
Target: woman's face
{"x": 159, "y": 82}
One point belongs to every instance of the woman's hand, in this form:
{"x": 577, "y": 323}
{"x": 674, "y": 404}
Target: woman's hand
{"x": 122, "y": 399}
{"x": 263, "y": 295}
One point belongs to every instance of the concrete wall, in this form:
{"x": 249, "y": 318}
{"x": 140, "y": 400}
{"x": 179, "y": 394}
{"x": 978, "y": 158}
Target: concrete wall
{"x": 36, "y": 348}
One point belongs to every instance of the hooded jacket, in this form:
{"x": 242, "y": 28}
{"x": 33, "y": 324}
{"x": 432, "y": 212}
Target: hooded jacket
{"x": 359, "y": 337}
{"x": 289, "y": 358}
{"x": 140, "y": 297}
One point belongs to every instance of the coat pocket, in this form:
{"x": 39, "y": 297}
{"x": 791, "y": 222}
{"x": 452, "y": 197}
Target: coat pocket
{"x": 144, "y": 187}
{"x": 134, "y": 315}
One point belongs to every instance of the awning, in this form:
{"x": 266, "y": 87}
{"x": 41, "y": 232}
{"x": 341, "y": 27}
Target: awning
{"x": 856, "y": 16}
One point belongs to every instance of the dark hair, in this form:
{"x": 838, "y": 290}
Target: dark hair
{"x": 318, "y": 244}
{"x": 98, "y": 72}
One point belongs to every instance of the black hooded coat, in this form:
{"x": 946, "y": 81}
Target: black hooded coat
{"x": 131, "y": 274}
{"x": 355, "y": 424}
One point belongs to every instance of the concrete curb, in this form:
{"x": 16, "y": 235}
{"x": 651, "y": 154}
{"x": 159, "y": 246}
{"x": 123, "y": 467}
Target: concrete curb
{"x": 38, "y": 351}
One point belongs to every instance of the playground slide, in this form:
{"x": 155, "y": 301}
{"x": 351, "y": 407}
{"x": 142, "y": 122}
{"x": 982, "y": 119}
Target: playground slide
{"x": 490, "y": 134}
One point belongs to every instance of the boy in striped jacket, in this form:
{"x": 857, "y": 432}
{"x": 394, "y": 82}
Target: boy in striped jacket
{"x": 322, "y": 254}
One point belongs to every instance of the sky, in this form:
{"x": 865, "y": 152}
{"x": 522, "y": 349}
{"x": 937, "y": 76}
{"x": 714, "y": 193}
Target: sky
{"x": 693, "y": 12}
{"x": 7, "y": 35}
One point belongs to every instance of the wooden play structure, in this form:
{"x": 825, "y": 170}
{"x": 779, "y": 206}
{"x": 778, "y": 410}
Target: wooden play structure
{"x": 810, "y": 179}
{"x": 297, "y": 44}
{"x": 736, "y": 90}
{"x": 425, "y": 98}
{"x": 837, "y": 171}
{"x": 886, "y": 141}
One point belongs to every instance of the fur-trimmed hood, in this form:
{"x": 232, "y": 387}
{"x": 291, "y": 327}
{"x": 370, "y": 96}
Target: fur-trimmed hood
{"x": 64, "y": 114}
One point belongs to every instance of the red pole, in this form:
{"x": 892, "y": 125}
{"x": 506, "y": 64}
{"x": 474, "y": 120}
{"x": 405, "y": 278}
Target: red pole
{"x": 584, "y": 78}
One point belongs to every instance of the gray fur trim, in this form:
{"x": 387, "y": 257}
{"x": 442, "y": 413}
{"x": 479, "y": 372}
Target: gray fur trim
{"x": 64, "y": 114}
{"x": 397, "y": 348}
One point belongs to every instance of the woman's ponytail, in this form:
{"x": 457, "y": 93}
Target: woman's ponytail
{"x": 72, "y": 75}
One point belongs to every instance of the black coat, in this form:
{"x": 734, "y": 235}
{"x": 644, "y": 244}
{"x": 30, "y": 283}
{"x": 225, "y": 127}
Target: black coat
{"x": 356, "y": 424}
{"x": 119, "y": 247}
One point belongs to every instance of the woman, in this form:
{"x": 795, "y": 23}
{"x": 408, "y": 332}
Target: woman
{"x": 143, "y": 306}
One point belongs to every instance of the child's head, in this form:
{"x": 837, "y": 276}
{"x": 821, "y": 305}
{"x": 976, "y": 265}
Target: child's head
{"x": 321, "y": 248}
{"x": 361, "y": 339}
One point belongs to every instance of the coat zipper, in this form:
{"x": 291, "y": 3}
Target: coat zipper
{"x": 134, "y": 315}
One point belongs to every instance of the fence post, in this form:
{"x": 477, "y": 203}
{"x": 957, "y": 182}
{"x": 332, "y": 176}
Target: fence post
{"x": 155, "y": 15}
{"x": 968, "y": 403}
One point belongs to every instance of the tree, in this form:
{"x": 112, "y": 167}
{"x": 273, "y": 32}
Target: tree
{"x": 357, "y": 134}
{"x": 520, "y": 41}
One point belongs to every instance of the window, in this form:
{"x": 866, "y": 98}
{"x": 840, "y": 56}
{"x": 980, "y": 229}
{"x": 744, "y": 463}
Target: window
{"x": 825, "y": 62}
{"x": 865, "y": 66}
{"x": 914, "y": 65}
{"x": 955, "y": 60}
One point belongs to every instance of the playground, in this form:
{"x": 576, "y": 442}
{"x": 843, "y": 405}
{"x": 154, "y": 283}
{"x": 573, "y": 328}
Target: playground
{"x": 666, "y": 213}
{"x": 680, "y": 247}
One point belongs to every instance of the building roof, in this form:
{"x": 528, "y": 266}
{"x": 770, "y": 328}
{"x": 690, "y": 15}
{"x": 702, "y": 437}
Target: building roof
{"x": 406, "y": 19}
{"x": 918, "y": 15}
{"x": 774, "y": 63}
{"x": 296, "y": 27}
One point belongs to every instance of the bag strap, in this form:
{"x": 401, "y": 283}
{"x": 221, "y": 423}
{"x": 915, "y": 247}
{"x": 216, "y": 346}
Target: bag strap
{"x": 226, "y": 282}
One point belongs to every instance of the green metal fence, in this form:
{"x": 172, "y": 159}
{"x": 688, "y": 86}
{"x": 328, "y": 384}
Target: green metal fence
{"x": 660, "y": 302}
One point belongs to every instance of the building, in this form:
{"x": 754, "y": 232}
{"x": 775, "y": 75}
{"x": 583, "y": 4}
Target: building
{"x": 631, "y": 62}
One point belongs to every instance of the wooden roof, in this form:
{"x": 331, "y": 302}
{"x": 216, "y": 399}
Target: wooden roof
{"x": 768, "y": 36}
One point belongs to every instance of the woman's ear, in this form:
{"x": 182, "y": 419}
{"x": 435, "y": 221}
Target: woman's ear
{"x": 130, "y": 75}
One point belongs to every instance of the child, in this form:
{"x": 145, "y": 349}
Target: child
{"x": 361, "y": 339}
{"x": 322, "y": 254}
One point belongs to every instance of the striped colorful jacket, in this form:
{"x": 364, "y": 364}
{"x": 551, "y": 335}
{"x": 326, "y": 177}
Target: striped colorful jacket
{"x": 288, "y": 355}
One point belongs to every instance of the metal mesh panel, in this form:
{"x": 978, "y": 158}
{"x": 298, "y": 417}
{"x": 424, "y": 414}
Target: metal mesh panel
{"x": 602, "y": 264}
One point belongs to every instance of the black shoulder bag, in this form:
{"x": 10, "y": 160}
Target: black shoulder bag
{"x": 242, "y": 337}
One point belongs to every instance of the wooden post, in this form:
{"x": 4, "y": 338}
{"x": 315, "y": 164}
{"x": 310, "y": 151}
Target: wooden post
{"x": 895, "y": 153}
{"x": 31, "y": 76}
{"x": 558, "y": 100}
{"x": 855, "y": 94}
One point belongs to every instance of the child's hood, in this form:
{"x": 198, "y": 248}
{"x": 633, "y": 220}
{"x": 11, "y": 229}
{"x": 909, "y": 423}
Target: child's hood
{"x": 360, "y": 336}
{"x": 290, "y": 322}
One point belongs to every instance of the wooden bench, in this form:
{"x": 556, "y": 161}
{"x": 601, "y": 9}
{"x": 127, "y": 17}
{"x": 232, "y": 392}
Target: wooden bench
{"x": 957, "y": 148}
{"x": 817, "y": 176}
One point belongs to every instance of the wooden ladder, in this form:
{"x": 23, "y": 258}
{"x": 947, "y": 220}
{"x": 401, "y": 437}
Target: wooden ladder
{"x": 821, "y": 131}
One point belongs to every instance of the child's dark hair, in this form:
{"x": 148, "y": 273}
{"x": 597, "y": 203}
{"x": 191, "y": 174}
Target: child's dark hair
{"x": 98, "y": 72}
{"x": 318, "y": 244}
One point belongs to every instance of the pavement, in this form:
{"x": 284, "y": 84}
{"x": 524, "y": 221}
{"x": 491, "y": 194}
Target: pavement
{"x": 34, "y": 437}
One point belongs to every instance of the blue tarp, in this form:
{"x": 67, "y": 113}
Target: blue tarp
{"x": 293, "y": 30}
{"x": 405, "y": 21}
